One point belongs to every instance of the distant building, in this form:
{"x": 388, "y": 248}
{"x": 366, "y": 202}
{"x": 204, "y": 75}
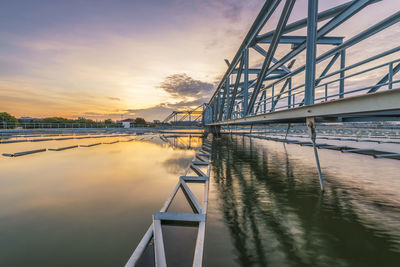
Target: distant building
{"x": 156, "y": 121}
{"x": 28, "y": 119}
{"x": 127, "y": 123}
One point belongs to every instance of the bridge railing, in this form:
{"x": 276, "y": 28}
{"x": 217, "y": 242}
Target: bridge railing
{"x": 329, "y": 90}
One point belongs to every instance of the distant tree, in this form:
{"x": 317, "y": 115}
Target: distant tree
{"x": 140, "y": 121}
{"x": 83, "y": 120}
{"x": 56, "y": 120}
{"x": 6, "y": 117}
{"x": 64, "y": 120}
{"x": 108, "y": 121}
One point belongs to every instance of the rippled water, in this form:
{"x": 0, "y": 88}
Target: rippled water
{"x": 266, "y": 208}
{"x": 90, "y": 206}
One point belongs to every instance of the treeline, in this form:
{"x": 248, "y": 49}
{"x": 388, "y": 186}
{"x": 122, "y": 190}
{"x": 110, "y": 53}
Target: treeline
{"x": 64, "y": 120}
{"x": 9, "y": 120}
{"x": 5, "y": 117}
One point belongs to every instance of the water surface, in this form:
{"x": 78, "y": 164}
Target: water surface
{"x": 266, "y": 208}
{"x": 87, "y": 206}
{"x": 90, "y": 206}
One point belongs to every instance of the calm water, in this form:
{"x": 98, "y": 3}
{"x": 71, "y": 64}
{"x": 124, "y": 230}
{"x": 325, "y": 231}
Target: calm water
{"x": 91, "y": 206}
{"x": 86, "y": 206}
{"x": 266, "y": 208}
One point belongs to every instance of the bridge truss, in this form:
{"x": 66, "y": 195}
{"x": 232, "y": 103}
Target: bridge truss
{"x": 280, "y": 76}
{"x": 185, "y": 116}
{"x": 284, "y": 88}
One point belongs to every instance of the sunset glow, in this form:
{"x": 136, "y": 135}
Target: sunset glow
{"x": 107, "y": 59}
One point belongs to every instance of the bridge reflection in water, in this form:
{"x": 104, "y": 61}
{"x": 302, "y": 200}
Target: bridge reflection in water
{"x": 183, "y": 141}
{"x": 266, "y": 195}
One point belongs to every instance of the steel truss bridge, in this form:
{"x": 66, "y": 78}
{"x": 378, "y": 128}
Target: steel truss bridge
{"x": 185, "y": 116}
{"x": 295, "y": 82}
{"x": 278, "y": 92}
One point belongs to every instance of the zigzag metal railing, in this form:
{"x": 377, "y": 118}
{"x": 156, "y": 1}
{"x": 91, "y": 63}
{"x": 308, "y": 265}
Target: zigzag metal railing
{"x": 201, "y": 160}
{"x": 274, "y": 86}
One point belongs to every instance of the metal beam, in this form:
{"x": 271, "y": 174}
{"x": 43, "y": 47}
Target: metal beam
{"x": 325, "y": 71}
{"x": 296, "y": 40}
{"x": 389, "y": 21}
{"x": 342, "y": 73}
{"x": 297, "y": 25}
{"x": 287, "y": 9}
{"x": 235, "y": 88}
{"x": 385, "y": 79}
{"x": 266, "y": 11}
{"x": 227, "y": 62}
{"x": 245, "y": 87}
{"x": 159, "y": 252}
{"x": 327, "y": 68}
{"x": 311, "y": 43}
{"x": 264, "y": 53}
{"x": 352, "y": 41}
{"x": 343, "y": 16}
{"x": 180, "y": 216}
{"x": 279, "y": 95}
{"x": 263, "y": 96}
{"x": 257, "y": 71}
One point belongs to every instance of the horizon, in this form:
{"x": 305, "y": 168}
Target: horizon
{"x": 77, "y": 118}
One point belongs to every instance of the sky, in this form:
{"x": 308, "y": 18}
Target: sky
{"x": 125, "y": 58}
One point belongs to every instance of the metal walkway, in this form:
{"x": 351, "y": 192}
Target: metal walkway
{"x": 200, "y": 167}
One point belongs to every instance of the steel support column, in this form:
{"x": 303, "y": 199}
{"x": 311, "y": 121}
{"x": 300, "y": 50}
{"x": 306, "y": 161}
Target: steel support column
{"x": 290, "y": 93}
{"x": 245, "y": 88}
{"x": 342, "y": 72}
{"x": 309, "y": 92}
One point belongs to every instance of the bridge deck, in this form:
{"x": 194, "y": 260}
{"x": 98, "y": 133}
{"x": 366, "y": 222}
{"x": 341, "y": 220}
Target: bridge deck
{"x": 380, "y": 105}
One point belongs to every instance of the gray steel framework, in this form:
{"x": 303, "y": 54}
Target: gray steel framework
{"x": 278, "y": 92}
{"x": 192, "y": 115}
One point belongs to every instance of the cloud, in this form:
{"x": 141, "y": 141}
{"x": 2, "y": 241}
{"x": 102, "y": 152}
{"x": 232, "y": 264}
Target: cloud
{"x": 158, "y": 112}
{"x": 183, "y": 86}
{"x": 189, "y": 91}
